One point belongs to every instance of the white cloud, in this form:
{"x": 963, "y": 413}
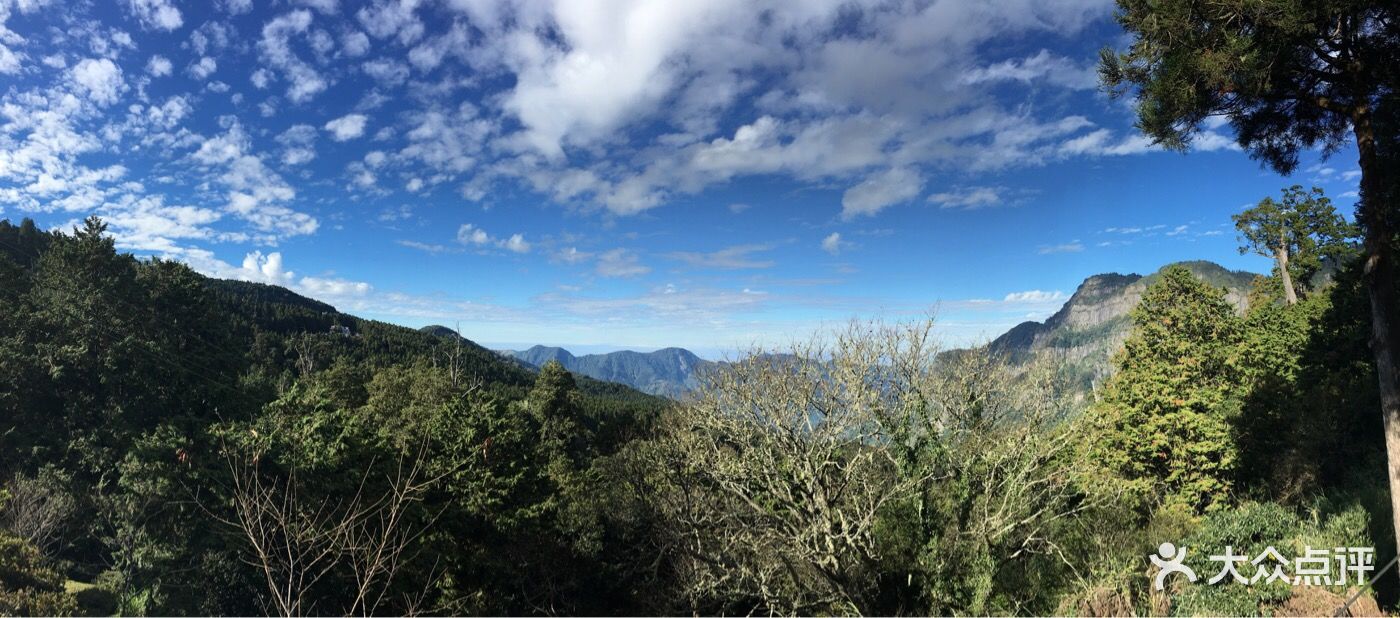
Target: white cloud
{"x": 236, "y": 7}
{"x": 729, "y": 258}
{"x": 620, "y": 263}
{"x": 333, "y": 288}
{"x": 572, "y": 255}
{"x": 354, "y": 43}
{"x": 255, "y": 193}
{"x": 1034, "y": 296}
{"x": 517, "y": 244}
{"x": 9, "y": 60}
{"x": 158, "y": 66}
{"x": 275, "y": 47}
{"x": 427, "y": 247}
{"x": 392, "y": 18}
{"x": 270, "y": 268}
{"x": 469, "y": 234}
{"x": 298, "y": 144}
{"x": 329, "y": 7}
{"x": 347, "y": 127}
{"x": 832, "y": 243}
{"x": 100, "y": 79}
{"x": 879, "y": 191}
{"x": 203, "y": 69}
{"x": 429, "y": 54}
{"x": 266, "y": 269}
{"x": 159, "y": 14}
{"x": 1069, "y": 247}
{"x": 1043, "y": 66}
{"x": 970, "y": 198}
{"x": 389, "y": 72}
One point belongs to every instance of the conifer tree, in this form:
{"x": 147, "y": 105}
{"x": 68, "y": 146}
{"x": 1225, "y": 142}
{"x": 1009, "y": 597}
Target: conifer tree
{"x": 1165, "y": 414}
{"x": 1297, "y": 233}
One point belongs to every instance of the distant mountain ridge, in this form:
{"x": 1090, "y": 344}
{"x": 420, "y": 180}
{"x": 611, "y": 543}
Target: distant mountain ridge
{"x": 1083, "y": 336}
{"x": 1093, "y": 324}
{"x": 669, "y": 372}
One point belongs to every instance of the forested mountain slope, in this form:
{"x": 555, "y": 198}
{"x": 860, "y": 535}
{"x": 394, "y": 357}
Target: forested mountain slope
{"x": 156, "y": 424}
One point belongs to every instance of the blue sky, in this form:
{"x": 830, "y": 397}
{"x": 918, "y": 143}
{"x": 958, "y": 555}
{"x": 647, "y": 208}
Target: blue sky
{"x": 616, "y": 173}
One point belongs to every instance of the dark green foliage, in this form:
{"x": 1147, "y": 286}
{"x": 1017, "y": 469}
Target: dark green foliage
{"x": 1249, "y": 530}
{"x": 1287, "y": 74}
{"x": 133, "y": 384}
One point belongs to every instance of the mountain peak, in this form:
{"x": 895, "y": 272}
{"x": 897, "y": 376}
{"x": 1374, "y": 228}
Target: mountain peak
{"x": 1095, "y": 321}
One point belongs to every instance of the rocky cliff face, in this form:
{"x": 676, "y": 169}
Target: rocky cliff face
{"x": 1085, "y": 333}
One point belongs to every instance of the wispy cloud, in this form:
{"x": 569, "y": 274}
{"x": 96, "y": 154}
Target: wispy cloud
{"x": 1069, "y": 247}
{"x": 737, "y": 257}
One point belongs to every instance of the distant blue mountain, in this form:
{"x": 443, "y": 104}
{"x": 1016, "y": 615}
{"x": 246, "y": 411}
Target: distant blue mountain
{"x": 669, "y": 372}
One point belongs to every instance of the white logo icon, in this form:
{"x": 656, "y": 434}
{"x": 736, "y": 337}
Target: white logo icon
{"x": 1169, "y": 559}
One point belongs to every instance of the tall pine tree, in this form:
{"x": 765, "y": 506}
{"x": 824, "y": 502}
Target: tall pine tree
{"x": 1165, "y": 415}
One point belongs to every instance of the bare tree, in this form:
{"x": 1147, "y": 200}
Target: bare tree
{"x": 297, "y": 541}
{"x": 777, "y": 472}
{"x": 36, "y": 511}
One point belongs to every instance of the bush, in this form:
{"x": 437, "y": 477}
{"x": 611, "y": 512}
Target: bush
{"x": 27, "y": 587}
{"x": 1249, "y": 529}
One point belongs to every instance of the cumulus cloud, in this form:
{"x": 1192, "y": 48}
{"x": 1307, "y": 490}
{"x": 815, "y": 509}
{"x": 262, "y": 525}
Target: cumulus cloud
{"x": 266, "y": 269}
{"x": 879, "y": 191}
{"x": 386, "y": 71}
{"x": 298, "y": 144}
{"x": 99, "y": 79}
{"x": 203, "y": 68}
{"x": 471, "y": 235}
{"x": 347, "y": 127}
{"x": 158, "y": 66}
{"x": 354, "y": 43}
{"x": 157, "y": 14}
{"x": 516, "y": 243}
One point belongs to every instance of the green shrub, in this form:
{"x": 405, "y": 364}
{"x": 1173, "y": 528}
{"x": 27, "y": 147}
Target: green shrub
{"x": 27, "y": 587}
